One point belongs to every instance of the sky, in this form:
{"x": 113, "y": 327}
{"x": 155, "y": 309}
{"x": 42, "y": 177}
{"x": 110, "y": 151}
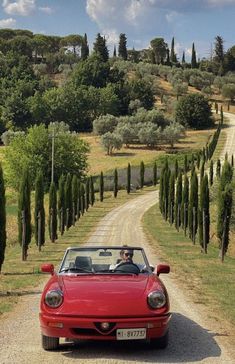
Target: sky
{"x": 188, "y": 21}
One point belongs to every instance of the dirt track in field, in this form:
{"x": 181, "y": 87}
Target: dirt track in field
{"x": 194, "y": 338}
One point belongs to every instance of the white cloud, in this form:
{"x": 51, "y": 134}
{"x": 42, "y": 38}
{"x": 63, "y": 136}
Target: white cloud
{"x": 7, "y": 23}
{"x": 20, "y": 7}
{"x": 46, "y": 9}
{"x": 172, "y": 16}
{"x": 111, "y": 36}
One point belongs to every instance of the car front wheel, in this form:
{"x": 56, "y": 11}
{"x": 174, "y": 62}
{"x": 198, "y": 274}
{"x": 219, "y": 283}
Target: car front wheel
{"x": 161, "y": 342}
{"x": 50, "y": 343}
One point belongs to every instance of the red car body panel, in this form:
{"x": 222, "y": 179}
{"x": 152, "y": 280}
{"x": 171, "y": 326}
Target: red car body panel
{"x": 90, "y": 299}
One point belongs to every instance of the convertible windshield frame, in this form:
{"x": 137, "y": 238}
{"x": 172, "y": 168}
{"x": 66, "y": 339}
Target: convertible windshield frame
{"x": 63, "y": 270}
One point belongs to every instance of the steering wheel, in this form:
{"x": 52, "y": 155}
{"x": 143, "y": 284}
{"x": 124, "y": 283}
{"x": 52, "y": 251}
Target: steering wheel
{"x": 127, "y": 267}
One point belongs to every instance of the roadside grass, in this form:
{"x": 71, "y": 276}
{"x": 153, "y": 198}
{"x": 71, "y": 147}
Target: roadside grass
{"x": 206, "y": 279}
{"x": 20, "y": 278}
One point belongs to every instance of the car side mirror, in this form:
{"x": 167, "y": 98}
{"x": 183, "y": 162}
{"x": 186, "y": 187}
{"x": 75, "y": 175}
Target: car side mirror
{"x": 162, "y": 268}
{"x": 47, "y": 268}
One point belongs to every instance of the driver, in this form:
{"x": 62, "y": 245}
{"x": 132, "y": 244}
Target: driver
{"x": 126, "y": 255}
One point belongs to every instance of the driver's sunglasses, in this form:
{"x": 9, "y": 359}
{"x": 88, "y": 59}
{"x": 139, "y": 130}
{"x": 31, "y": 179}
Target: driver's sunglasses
{"x": 128, "y": 255}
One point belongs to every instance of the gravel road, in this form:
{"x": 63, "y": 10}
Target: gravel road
{"x": 194, "y": 337}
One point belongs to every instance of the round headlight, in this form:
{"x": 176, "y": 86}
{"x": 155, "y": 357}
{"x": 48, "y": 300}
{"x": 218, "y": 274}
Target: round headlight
{"x": 54, "y": 298}
{"x": 156, "y": 299}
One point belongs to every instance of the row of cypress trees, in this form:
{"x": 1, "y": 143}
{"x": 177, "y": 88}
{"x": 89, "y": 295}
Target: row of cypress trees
{"x": 189, "y": 208}
{"x": 66, "y": 205}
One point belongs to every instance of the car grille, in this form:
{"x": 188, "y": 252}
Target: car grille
{"x": 92, "y": 332}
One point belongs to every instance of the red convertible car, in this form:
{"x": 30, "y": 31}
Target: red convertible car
{"x": 104, "y": 293}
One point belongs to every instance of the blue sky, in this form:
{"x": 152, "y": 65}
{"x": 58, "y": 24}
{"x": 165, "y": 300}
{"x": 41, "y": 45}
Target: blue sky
{"x": 188, "y": 21}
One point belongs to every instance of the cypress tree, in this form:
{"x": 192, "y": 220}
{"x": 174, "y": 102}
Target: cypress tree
{"x": 61, "y": 204}
{"x": 226, "y": 175}
{"x": 225, "y": 201}
{"x": 128, "y": 182}
{"x": 183, "y": 58}
{"x": 84, "y": 48}
{"x": 185, "y": 202}
{"x": 166, "y": 185}
{"x": 176, "y": 168}
{"x": 232, "y": 161}
{"x": 115, "y": 183}
{"x": 87, "y": 201}
{"x": 2, "y": 219}
{"x": 193, "y": 59}
{"x": 155, "y": 173}
{"x": 192, "y": 170}
{"x": 52, "y": 223}
{"x": 193, "y": 207}
{"x": 164, "y": 189}
{"x": 171, "y": 198}
{"x": 39, "y": 211}
{"x": 142, "y": 170}
{"x": 122, "y": 50}
{"x": 74, "y": 197}
{"x": 100, "y": 48}
{"x": 101, "y": 186}
{"x": 24, "y": 214}
{"x": 79, "y": 200}
{"x": 114, "y": 52}
{"x": 211, "y": 172}
{"x": 173, "y": 55}
{"x": 204, "y": 215}
{"x": 82, "y": 195}
{"x": 92, "y": 191}
{"x": 218, "y": 168}
{"x": 221, "y": 115}
{"x": 178, "y": 201}
{"x": 185, "y": 163}
{"x": 198, "y": 160}
{"x": 68, "y": 201}
{"x": 202, "y": 171}
{"x": 161, "y": 191}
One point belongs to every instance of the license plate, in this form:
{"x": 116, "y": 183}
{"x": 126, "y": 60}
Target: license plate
{"x": 131, "y": 334}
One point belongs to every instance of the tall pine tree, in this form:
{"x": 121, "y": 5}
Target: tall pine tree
{"x": 101, "y": 186}
{"x": 24, "y": 214}
{"x": 52, "y": 221}
{"x": 122, "y": 50}
{"x": 193, "y": 207}
{"x": 84, "y": 48}
{"x": 100, "y": 48}
{"x": 61, "y": 204}
{"x": 68, "y": 201}
{"x": 115, "y": 183}
{"x": 2, "y": 219}
{"x": 194, "y": 58}
{"x": 39, "y": 211}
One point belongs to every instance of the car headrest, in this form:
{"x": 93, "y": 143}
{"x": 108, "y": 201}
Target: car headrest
{"x": 83, "y": 262}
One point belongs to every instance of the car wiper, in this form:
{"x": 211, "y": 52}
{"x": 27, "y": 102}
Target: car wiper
{"x": 75, "y": 269}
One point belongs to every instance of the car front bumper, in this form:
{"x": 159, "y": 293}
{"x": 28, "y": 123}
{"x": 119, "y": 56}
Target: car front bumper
{"x": 90, "y": 328}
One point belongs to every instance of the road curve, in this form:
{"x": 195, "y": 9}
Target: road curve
{"x": 229, "y": 146}
{"x": 194, "y": 338}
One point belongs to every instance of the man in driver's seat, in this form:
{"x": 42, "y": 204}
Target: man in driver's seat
{"x": 126, "y": 256}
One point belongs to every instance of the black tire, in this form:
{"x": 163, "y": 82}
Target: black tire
{"x": 161, "y": 342}
{"x": 50, "y": 343}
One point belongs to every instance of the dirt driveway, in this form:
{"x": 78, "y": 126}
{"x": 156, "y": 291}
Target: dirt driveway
{"x": 194, "y": 338}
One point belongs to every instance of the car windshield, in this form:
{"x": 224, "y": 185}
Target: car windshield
{"x": 105, "y": 260}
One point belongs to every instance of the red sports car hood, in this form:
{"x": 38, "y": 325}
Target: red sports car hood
{"x": 101, "y": 295}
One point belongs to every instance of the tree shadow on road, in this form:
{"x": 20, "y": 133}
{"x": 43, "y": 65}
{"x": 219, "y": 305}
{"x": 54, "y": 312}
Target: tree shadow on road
{"x": 189, "y": 342}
